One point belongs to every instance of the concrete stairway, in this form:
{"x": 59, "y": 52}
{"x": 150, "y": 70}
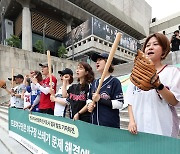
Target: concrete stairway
{"x": 124, "y": 117}
{"x": 7, "y": 144}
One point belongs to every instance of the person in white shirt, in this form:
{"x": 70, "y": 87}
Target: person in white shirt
{"x": 26, "y": 94}
{"x": 11, "y": 92}
{"x": 61, "y": 107}
{"x": 12, "y": 97}
{"x": 154, "y": 111}
{"x": 19, "y": 102}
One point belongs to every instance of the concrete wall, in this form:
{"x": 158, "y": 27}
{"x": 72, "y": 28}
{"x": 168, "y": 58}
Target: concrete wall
{"x": 67, "y": 7}
{"x": 135, "y": 13}
{"x": 138, "y": 10}
{"x": 168, "y": 24}
{"x": 23, "y": 62}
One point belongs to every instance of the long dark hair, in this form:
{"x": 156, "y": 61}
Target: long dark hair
{"x": 71, "y": 79}
{"x": 111, "y": 67}
{"x": 38, "y": 76}
{"x": 89, "y": 77}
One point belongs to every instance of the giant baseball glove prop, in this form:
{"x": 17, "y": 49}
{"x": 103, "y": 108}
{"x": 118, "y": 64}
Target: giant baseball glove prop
{"x": 3, "y": 84}
{"x": 144, "y": 74}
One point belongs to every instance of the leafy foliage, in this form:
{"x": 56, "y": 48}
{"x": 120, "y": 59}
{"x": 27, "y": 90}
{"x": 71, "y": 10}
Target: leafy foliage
{"x": 39, "y": 46}
{"x": 14, "y": 41}
{"x": 62, "y": 51}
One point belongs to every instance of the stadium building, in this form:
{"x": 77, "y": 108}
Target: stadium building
{"x": 83, "y": 26}
{"x": 166, "y": 25}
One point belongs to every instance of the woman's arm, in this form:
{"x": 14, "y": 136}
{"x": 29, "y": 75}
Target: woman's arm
{"x": 166, "y": 93}
{"x": 116, "y": 101}
{"x": 22, "y": 94}
{"x": 36, "y": 101}
{"x": 19, "y": 95}
{"x": 59, "y": 100}
{"x": 25, "y": 79}
{"x": 45, "y": 90}
{"x": 83, "y": 110}
{"x": 168, "y": 96}
{"x": 36, "y": 86}
{"x": 64, "y": 89}
{"x": 132, "y": 124}
{"x": 27, "y": 107}
{"x": 171, "y": 93}
{"x": 8, "y": 91}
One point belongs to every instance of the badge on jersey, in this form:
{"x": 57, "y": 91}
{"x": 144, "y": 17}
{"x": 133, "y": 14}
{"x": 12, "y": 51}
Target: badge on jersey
{"x": 109, "y": 86}
{"x": 105, "y": 96}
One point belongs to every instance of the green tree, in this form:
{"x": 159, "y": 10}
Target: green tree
{"x": 62, "y": 51}
{"x": 14, "y": 41}
{"x": 39, "y": 46}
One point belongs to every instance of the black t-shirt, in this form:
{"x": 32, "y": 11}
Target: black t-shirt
{"x": 77, "y": 99}
{"x": 175, "y": 44}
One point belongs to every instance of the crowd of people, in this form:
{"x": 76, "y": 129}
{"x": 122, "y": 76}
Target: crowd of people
{"x": 34, "y": 93}
{"x": 150, "y": 111}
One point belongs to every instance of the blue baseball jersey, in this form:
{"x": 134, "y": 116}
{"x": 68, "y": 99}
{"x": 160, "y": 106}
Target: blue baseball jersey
{"x": 102, "y": 114}
{"x": 34, "y": 94}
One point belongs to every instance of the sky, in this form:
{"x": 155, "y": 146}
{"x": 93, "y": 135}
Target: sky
{"x": 164, "y": 8}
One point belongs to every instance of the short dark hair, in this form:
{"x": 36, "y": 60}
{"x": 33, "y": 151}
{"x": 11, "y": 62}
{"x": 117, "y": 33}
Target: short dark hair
{"x": 111, "y": 69}
{"x": 176, "y": 31}
{"x": 89, "y": 77}
{"x": 19, "y": 76}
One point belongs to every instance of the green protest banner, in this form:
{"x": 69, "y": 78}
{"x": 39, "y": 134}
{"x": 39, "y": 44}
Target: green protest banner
{"x": 42, "y": 133}
{"x": 177, "y": 65}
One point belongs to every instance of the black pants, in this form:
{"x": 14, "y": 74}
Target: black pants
{"x": 47, "y": 111}
{"x": 85, "y": 118}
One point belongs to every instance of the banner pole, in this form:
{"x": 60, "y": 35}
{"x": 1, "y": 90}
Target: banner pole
{"x": 49, "y": 67}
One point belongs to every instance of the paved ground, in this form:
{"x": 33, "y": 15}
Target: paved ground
{"x": 7, "y": 144}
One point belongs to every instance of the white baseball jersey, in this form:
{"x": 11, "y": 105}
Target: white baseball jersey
{"x": 58, "y": 108}
{"x": 20, "y": 102}
{"x": 13, "y": 98}
{"x": 151, "y": 112}
{"x": 27, "y": 99}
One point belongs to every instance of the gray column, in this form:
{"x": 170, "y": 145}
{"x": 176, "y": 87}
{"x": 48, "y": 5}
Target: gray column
{"x": 69, "y": 23}
{"x": 68, "y": 27}
{"x": 26, "y": 25}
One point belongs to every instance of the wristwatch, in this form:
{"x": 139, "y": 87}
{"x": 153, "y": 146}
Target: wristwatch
{"x": 160, "y": 87}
